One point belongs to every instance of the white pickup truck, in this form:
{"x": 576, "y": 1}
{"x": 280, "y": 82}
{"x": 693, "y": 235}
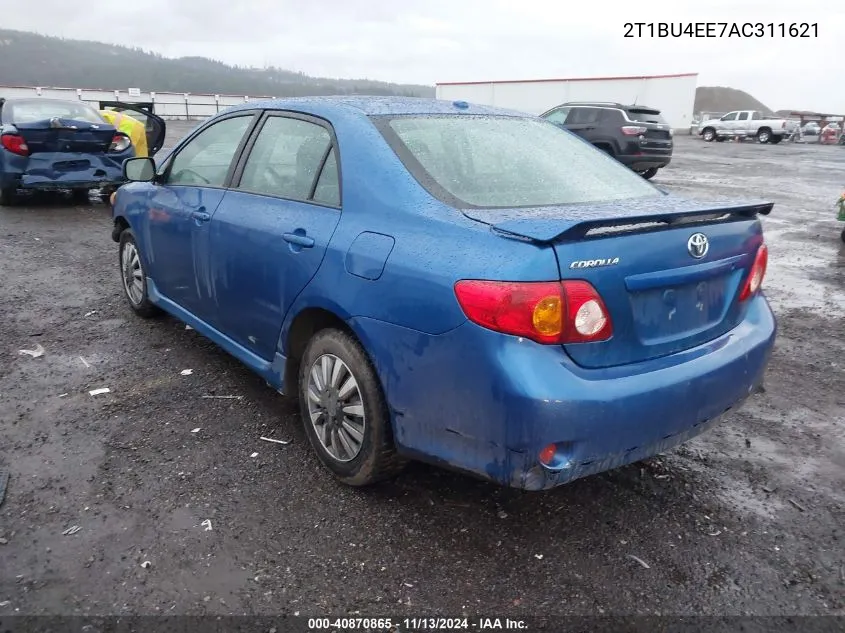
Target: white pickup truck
{"x": 746, "y": 123}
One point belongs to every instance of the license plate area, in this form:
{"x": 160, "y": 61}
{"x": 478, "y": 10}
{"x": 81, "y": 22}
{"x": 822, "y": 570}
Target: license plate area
{"x": 664, "y": 314}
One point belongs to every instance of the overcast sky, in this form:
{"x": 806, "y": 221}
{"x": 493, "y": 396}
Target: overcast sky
{"x": 426, "y": 41}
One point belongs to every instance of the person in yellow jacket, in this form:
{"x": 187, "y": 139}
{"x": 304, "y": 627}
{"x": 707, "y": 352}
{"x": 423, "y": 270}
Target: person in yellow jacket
{"x": 133, "y": 128}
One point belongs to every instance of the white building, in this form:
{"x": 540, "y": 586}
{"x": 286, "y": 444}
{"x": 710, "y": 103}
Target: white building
{"x": 673, "y": 95}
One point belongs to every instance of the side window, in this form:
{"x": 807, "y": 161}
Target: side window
{"x": 583, "y": 115}
{"x": 743, "y": 116}
{"x": 286, "y": 159}
{"x": 205, "y": 160}
{"x": 328, "y": 185}
{"x": 729, "y": 117}
{"x": 756, "y": 116}
{"x": 558, "y": 116}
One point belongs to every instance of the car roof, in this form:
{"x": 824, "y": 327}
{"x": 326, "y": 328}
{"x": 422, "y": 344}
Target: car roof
{"x": 374, "y": 106}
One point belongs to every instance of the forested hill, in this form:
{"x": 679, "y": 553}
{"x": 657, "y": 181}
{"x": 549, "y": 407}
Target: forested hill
{"x": 28, "y": 59}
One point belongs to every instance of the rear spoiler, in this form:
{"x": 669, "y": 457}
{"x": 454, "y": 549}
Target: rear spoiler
{"x": 553, "y": 229}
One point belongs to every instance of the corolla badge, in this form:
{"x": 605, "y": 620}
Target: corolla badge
{"x": 594, "y": 263}
{"x": 698, "y": 245}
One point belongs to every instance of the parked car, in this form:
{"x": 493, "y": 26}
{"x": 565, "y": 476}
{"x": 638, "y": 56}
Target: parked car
{"x": 636, "y": 136}
{"x": 811, "y": 129}
{"x": 746, "y": 123}
{"x": 452, "y": 283}
{"x": 48, "y": 144}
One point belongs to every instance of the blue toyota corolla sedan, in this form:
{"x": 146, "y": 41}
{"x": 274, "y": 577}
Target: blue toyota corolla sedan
{"x": 446, "y": 282}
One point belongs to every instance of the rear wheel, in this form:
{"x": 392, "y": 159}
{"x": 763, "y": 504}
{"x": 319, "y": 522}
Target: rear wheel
{"x": 8, "y": 197}
{"x": 134, "y": 277}
{"x": 344, "y": 411}
{"x": 648, "y": 174}
{"x": 764, "y": 135}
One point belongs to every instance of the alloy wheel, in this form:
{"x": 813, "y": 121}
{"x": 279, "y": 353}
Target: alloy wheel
{"x": 336, "y": 407}
{"x": 133, "y": 274}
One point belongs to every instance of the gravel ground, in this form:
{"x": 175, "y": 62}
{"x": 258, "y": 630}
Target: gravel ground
{"x": 746, "y": 520}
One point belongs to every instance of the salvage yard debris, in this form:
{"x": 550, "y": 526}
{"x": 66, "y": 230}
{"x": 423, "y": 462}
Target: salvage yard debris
{"x": 207, "y": 525}
{"x": 71, "y": 530}
{"x": 270, "y": 439}
{"x": 187, "y": 372}
{"x": 97, "y": 392}
{"x": 225, "y": 397}
{"x": 639, "y": 560}
{"x": 35, "y": 353}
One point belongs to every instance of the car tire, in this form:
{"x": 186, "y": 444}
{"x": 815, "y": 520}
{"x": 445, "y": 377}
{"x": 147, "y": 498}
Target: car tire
{"x": 648, "y": 174}
{"x": 356, "y": 441}
{"x": 842, "y": 235}
{"x": 134, "y": 287}
{"x": 776, "y": 139}
{"x": 8, "y": 197}
{"x": 708, "y": 134}
{"x": 764, "y": 136}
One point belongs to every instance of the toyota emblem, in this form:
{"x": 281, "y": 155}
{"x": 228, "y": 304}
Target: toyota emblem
{"x": 698, "y": 245}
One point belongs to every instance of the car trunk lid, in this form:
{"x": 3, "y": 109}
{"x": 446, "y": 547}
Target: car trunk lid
{"x": 66, "y": 135}
{"x": 642, "y": 259}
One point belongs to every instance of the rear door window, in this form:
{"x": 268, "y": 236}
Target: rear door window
{"x": 581, "y": 115}
{"x": 288, "y": 160}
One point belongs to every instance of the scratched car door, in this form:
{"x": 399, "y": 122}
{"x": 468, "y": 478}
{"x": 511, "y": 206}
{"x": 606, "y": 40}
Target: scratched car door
{"x": 272, "y": 228}
{"x": 181, "y": 205}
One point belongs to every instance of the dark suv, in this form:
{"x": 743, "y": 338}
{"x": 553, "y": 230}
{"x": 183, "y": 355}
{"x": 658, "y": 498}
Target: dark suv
{"x": 635, "y": 135}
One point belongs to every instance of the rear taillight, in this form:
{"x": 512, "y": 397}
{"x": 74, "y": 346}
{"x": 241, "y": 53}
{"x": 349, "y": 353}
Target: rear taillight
{"x": 633, "y": 130}
{"x": 119, "y": 143}
{"x": 15, "y": 143}
{"x": 550, "y": 312}
{"x": 758, "y": 271}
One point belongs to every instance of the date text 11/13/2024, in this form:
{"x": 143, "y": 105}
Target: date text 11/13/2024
{"x": 416, "y": 624}
{"x": 722, "y": 29}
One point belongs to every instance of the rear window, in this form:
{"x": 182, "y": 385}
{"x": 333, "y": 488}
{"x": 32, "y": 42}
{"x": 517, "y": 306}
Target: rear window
{"x": 31, "y": 110}
{"x": 646, "y": 116}
{"x": 494, "y": 162}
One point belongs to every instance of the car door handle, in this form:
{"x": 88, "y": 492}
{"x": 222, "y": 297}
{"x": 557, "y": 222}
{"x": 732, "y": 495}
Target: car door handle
{"x": 201, "y": 216}
{"x": 299, "y": 240}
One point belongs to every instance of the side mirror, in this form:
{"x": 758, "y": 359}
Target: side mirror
{"x": 141, "y": 169}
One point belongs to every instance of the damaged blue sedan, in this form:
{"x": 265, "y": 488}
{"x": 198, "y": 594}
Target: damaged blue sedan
{"x": 452, "y": 283}
{"x": 52, "y": 144}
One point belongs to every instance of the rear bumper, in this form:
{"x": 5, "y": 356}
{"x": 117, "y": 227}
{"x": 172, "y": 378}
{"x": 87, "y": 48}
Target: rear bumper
{"x": 64, "y": 170}
{"x": 641, "y": 162}
{"x": 485, "y": 403}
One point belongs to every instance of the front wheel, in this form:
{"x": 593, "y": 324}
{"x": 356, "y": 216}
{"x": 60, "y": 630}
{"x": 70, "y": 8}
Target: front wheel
{"x": 709, "y": 134}
{"x": 134, "y": 277}
{"x": 648, "y": 174}
{"x": 344, "y": 411}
